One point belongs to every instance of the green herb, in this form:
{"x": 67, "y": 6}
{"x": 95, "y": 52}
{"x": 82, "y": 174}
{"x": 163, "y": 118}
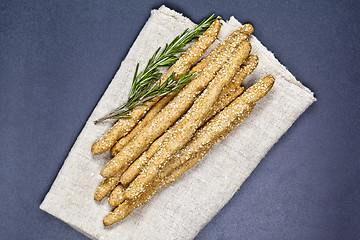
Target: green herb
{"x": 146, "y": 84}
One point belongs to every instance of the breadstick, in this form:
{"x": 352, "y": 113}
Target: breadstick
{"x": 135, "y": 168}
{"x": 165, "y": 178}
{"x": 137, "y": 165}
{"x": 107, "y": 185}
{"x": 247, "y": 29}
{"x": 119, "y": 213}
{"x": 149, "y": 115}
{"x": 183, "y": 130}
{"x": 246, "y": 69}
{"x": 116, "y": 197}
{"x": 233, "y": 89}
{"x": 229, "y": 93}
{"x": 182, "y": 162}
{"x": 214, "y": 130}
{"x": 124, "y": 125}
{"x": 196, "y": 51}
{"x": 169, "y": 114}
{"x": 244, "y": 33}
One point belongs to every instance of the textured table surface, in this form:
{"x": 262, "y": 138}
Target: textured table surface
{"x": 57, "y": 58}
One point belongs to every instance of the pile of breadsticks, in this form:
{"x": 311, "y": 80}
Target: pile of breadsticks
{"x": 167, "y": 136}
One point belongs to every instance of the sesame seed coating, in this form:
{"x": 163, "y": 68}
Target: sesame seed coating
{"x": 120, "y": 129}
{"x": 107, "y": 185}
{"x": 216, "y": 129}
{"x": 247, "y": 29}
{"x": 149, "y": 115}
{"x": 216, "y": 107}
{"x": 228, "y": 94}
{"x": 169, "y": 114}
{"x": 135, "y": 168}
{"x": 233, "y": 88}
{"x": 117, "y": 196}
{"x": 119, "y": 213}
{"x": 258, "y": 90}
{"x": 243, "y": 33}
{"x": 213, "y": 131}
{"x": 182, "y": 131}
{"x": 195, "y": 52}
{"x": 183, "y": 64}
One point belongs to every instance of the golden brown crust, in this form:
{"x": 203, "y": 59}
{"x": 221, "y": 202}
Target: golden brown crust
{"x": 168, "y": 115}
{"x": 107, "y": 185}
{"x": 217, "y": 128}
{"x": 135, "y": 168}
{"x": 120, "y": 129}
{"x": 161, "y": 104}
{"x": 182, "y": 131}
{"x": 228, "y": 94}
{"x": 192, "y": 136}
{"x": 214, "y": 130}
{"x": 202, "y": 145}
{"x": 149, "y": 115}
{"x": 258, "y": 90}
{"x": 247, "y": 29}
{"x": 166, "y": 177}
{"x": 204, "y": 138}
{"x": 233, "y": 88}
{"x": 117, "y": 196}
{"x": 119, "y": 213}
{"x": 196, "y": 51}
{"x": 207, "y": 136}
{"x": 124, "y": 125}
{"x": 242, "y": 33}
{"x": 245, "y": 70}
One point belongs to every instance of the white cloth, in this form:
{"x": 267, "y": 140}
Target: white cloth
{"x": 182, "y": 209}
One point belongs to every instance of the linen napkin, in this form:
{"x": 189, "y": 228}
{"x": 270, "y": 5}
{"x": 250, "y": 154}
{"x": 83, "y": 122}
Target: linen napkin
{"x": 182, "y": 209}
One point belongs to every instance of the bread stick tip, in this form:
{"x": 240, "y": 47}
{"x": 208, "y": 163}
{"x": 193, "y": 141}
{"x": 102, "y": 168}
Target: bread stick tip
{"x": 107, "y": 221}
{"x": 112, "y": 203}
{"x": 247, "y": 29}
{"x": 269, "y": 80}
{"x": 253, "y": 58}
{"x": 94, "y": 149}
{"x": 105, "y": 173}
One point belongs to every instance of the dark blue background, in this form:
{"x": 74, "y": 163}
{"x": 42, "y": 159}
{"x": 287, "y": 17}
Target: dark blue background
{"x": 57, "y": 58}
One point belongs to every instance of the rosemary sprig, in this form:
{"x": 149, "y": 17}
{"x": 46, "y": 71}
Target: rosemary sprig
{"x": 170, "y": 85}
{"x": 146, "y": 84}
